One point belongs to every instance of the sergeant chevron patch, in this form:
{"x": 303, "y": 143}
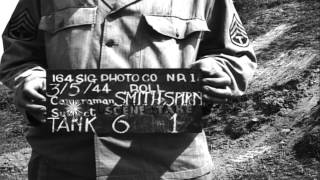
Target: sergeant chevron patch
{"x": 22, "y": 27}
{"x": 238, "y": 34}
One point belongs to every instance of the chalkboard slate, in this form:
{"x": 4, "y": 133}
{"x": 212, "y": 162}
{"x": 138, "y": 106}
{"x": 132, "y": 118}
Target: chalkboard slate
{"x": 124, "y": 101}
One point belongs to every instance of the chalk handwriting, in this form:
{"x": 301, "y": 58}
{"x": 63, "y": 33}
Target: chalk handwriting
{"x": 119, "y": 121}
{"x": 123, "y": 100}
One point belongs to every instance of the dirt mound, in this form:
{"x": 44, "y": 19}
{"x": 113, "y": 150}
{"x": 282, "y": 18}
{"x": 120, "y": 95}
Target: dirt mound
{"x": 273, "y": 132}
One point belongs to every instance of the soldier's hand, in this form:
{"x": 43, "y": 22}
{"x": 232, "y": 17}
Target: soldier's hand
{"x": 215, "y": 82}
{"x": 29, "y": 96}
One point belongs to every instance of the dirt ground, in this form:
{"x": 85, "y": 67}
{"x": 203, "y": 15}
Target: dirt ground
{"x": 273, "y": 132}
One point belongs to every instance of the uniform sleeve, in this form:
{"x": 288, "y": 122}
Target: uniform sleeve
{"x": 228, "y": 45}
{"x": 24, "y": 54}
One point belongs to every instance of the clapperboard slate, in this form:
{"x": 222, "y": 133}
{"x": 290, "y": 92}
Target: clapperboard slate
{"x": 124, "y": 101}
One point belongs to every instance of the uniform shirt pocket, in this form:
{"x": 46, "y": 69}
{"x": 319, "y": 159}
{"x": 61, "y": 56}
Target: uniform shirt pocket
{"x": 176, "y": 27}
{"x": 68, "y": 18}
{"x": 170, "y": 42}
{"x": 68, "y": 37}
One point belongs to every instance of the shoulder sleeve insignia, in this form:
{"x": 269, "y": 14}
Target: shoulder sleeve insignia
{"x": 237, "y": 33}
{"x": 22, "y": 27}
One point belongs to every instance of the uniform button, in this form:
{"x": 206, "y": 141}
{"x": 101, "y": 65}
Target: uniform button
{"x": 177, "y": 34}
{"x": 116, "y": 6}
{"x": 110, "y": 43}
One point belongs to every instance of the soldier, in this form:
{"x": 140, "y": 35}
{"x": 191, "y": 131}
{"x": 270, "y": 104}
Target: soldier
{"x": 102, "y": 34}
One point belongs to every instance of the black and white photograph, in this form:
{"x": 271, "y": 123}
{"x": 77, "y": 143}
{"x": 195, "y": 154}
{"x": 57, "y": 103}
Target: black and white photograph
{"x": 159, "y": 89}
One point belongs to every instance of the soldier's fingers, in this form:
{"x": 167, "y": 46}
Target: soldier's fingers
{"x": 42, "y": 86}
{"x": 207, "y": 66}
{"x": 28, "y": 105}
{"x": 217, "y": 92}
{"x": 35, "y": 107}
{"x": 216, "y": 100}
{"x": 217, "y": 82}
{"x": 31, "y": 93}
{"x": 37, "y": 116}
{"x": 33, "y": 88}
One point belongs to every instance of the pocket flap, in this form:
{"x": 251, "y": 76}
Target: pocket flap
{"x": 67, "y": 18}
{"x": 176, "y": 27}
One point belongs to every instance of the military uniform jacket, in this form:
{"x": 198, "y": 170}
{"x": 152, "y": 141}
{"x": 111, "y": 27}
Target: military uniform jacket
{"x": 101, "y": 34}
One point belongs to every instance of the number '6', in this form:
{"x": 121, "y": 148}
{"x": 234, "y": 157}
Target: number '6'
{"x": 118, "y": 120}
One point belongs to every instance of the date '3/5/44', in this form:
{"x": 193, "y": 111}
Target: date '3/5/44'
{"x": 74, "y": 89}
